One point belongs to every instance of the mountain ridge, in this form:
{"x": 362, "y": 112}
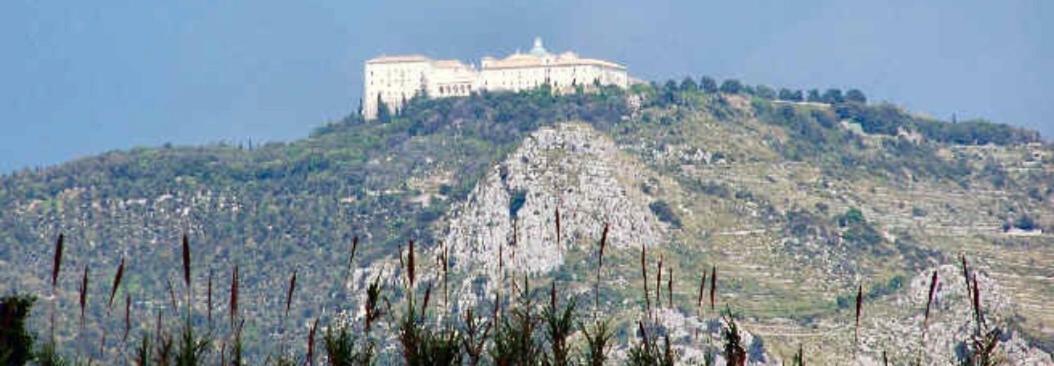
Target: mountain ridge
{"x": 740, "y": 178}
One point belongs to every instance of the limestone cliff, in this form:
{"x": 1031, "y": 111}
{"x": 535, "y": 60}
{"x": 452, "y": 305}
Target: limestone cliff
{"x": 512, "y": 211}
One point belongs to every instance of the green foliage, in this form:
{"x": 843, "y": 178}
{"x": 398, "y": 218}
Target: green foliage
{"x": 664, "y": 213}
{"x": 832, "y": 96}
{"x": 648, "y": 351}
{"x": 48, "y": 355}
{"x": 192, "y": 349}
{"x": 814, "y": 96}
{"x": 765, "y": 92}
{"x": 735, "y": 354}
{"x": 559, "y": 324}
{"x": 982, "y": 350}
{"x": 16, "y": 343}
{"x": 342, "y": 349}
{"x": 384, "y": 113}
{"x": 1025, "y": 222}
{"x": 857, "y": 231}
{"x": 708, "y": 84}
{"x": 855, "y": 96}
{"x": 514, "y": 342}
{"x": 731, "y": 86}
{"x": 852, "y": 216}
{"x": 475, "y": 334}
{"x": 888, "y": 120}
{"x": 598, "y": 341}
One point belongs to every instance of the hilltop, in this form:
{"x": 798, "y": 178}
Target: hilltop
{"x": 796, "y": 201}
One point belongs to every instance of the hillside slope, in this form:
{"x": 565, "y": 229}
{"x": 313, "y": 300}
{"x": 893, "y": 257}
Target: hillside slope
{"x": 794, "y": 203}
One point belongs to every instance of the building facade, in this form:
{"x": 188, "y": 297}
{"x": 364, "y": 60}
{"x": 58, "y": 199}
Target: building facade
{"x": 393, "y": 80}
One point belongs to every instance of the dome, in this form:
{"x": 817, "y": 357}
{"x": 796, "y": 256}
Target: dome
{"x": 538, "y": 49}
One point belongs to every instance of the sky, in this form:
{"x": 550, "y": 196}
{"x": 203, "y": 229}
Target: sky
{"x": 81, "y": 78}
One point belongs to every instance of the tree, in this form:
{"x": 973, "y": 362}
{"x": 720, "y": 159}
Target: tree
{"x": 855, "y": 95}
{"x": 688, "y": 84}
{"x": 833, "y": 96}
{"x": 764, "y": 92}
{"x": 669, "y": 92}
{"x": 785, "y": 94}
{"x": 814, "y": 96}
{"x": 796, "y": 96}
{"x": 383, "y": 113}
{"x": 708, "y": 84}
{"x": 731, "y": 86}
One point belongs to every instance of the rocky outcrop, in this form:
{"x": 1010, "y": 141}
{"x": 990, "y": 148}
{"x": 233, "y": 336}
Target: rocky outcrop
{"x": 511, "y": 214}
{"x": 951, "y": 323}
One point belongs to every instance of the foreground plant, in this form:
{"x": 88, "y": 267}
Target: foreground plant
{"x": 735, "y": 354}
{"x": 598, "y": 342}
{"x": 648, "y": 351}
{"x": 342, "y": 349}
{"x": 514, "y": 342}
{"x": 559, "y": 324}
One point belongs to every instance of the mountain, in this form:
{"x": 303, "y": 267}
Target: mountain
{"x": 794, "y": 203}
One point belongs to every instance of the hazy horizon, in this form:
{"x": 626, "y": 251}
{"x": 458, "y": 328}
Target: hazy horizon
{"x": 85, "y": 78}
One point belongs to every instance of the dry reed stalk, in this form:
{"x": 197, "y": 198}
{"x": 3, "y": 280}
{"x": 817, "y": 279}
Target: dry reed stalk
{"x": 713, "y": 287}
{"x": 669, "y": 287}
{"x": 603, "y": 244}
{"x": 57, "y": 261}
{"x": 557, "y": 214}
{"x": 501, "y": 261}
{"x": 354, "y": 248}
{"x": 658, "y": 284}
{"x": 497, "y": 307}
{"x": 929, "y": 301}
{"x": 289, "y": 294}
{"x": 186, "y": 263}
{"x": 208, "y": 299}
{"x": 172, "y": 295}
{"x": 116, "y": 283}
{"x": 977, "y": 304}
{"x": 127, "y": 316}
{"x": 966, "y": 274}
{"x": 446, "y": 275}
{"x": 311, "y": 343}
{"x": 926, "y": 316}
{"x": 410, "y": 264}
{"x": 600, "y": 265}
{"x": 234, "y": 296}
{"x": 402, "y": 262}
{"x": 859, "y": 306}
{"x": 351, "y": 259}
{"x": 644, "y": 272}
{"x": 55, "y": 267}
{"x": 157, "y": 329}
{"x": 84, "y": 294}
{"x": 702, "y": 290}
{"x": 428, "y": 296}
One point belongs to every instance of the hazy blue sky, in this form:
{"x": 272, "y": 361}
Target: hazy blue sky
{"x": 83, "y": 77}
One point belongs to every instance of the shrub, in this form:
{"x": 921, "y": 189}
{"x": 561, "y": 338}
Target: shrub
{"x": 16, "y": 343}
{"x": 662, "y": 210}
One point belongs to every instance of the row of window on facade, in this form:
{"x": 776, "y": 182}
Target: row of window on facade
{"x": 454, "y": 89}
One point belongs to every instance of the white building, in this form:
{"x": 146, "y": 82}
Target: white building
{"x": 395, "y": 79}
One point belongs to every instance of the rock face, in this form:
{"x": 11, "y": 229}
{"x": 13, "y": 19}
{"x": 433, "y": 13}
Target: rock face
{"x": 572, "y": 168}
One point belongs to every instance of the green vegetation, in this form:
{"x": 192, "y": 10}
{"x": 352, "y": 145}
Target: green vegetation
{"x": 276, "y": 207}
{"x": 16, "y": 343}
